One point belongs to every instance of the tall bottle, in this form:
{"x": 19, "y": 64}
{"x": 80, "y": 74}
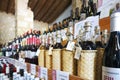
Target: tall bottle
{"x": 58, "y": 44}
{"x": 98, "y": 41}
{"x": 77, "y": 16}
{"x": 42, "y": 46}
{"x": 111, "y": 58}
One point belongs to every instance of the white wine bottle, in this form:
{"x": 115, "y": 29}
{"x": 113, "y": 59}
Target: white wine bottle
{"x": 111, "y": 58}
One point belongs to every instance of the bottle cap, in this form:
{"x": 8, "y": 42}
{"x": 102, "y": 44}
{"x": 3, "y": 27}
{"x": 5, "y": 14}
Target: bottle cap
{"x": 115, "y": 22}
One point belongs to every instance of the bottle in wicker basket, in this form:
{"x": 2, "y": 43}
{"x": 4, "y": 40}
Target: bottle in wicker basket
{"x": 86, "y": 63}
{"x": 111, "y": 58}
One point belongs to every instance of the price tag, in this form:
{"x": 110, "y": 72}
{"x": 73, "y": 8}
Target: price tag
{"x": 37, "y": 53}
{"x": 50, "y": 50}
{"x": 44, "y": 73}
{"x": 70, "y": 46}
{"x": 7, "y": 69}
{"x": 62, "y": 75}
{"x": 77, "y": 53}
{"x": 33, "y": 69}
{"x": 54, "y": 75}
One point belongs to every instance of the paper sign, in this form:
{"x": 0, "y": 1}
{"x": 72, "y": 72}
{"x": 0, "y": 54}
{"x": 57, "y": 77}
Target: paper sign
{"x": 77, "y": 53}
{"x": 54, "y": 75}
{"x": 44, "y": 73}
{"x": 78, "y": 26}
{"x": 70, "y": 46}
{"x": 33, "y": 69}
{"x": 62, "y": 75}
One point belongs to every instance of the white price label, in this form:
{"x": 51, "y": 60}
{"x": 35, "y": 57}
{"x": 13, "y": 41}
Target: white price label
{"x": 50, "y": 50}
{"x": 70, "y": 46}
{"x": 77, "y": 53}
{"x": 37, "y": 53}
{"x": 62, "y": 75}
{"x": 44, "y": 73}
{"x": 33, "y": 69}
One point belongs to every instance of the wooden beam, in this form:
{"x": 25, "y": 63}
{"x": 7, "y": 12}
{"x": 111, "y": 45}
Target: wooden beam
{"x": 45, "y": 9}
{"x": 39, "y": 10}
{"x": 38, "y": 7}
{"x": 59, "y": 10}
{"x": 11, "y": 6}
{"x": 3, "y": 6}
{"x": 32, "y": 3}
{"x": 52, "y": 8}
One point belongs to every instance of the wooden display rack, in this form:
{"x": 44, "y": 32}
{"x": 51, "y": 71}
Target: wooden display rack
{"x": 71, "y": 77}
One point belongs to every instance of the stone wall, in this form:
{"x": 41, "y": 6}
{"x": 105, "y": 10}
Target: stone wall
{"x": 8, "y": 27}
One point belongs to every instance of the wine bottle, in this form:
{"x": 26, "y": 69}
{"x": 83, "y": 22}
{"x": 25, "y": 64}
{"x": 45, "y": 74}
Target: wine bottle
{"x": 54, "y": 34}
{"x": 77, "y": 16}
{"x": 42, "y": 47}
{"x": 87, "y": 42}
{"x": 105, "y": 37}
{"x": 98, "y": 37}
{"x": 58, "y": 44}
{"x": 111, "y": 57}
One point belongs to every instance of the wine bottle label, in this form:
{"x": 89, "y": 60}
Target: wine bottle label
{"x": 110, "y": 73}
{"x": 7, "y": 69}
{"x": 71, "y": 29}
{"x": 115, "y": 22}
{"x": 70, "y": 46}
{"x": 77, "y": 53}
{"x": 63, "y": 34}
{"x": 58, "y": 40}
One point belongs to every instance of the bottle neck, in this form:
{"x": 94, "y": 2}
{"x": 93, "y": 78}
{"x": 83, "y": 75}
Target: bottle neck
{"x": 58, "y": 40}
{"x": 114, "y": 40}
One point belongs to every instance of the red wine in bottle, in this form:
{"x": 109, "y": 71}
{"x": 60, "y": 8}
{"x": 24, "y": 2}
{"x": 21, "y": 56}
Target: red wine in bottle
{"x": 111, "y": 57}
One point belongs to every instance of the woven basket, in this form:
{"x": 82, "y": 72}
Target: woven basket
{"x": 41, "y": 58}
{"x": 48, "y": 60}
{"x": 86, "y": 64}
{"x": 68, "y": 62}
{"x": 99, "y": 58}
{"x": 56, "y": 59}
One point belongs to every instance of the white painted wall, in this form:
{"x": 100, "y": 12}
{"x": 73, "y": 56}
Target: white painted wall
{"x": 64, "y": 15}
{"x": 106, "y": 6}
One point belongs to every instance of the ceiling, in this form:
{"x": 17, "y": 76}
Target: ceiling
{"x": 44, "y": 10}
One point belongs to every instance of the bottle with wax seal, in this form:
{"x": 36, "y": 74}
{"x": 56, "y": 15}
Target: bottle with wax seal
{"x": 87, "y": 39}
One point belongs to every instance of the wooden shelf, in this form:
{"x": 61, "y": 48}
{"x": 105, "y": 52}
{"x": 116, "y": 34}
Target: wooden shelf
{"x": 71, "y": 77}
{"x": 105, "y": 23}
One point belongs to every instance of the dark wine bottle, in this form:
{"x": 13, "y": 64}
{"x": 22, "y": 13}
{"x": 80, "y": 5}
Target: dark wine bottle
{"x": 58, "y": 44}
{"x": 111, "y": 57}
{"x": 77, "y": 16}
